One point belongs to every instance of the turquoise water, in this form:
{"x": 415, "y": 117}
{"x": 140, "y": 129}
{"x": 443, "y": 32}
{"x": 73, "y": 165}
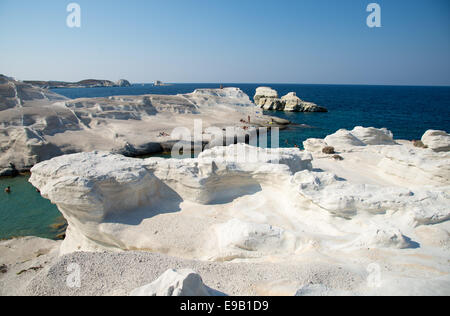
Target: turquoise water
{"x": 407, "y": 111}
{"x": 24, "y": 212}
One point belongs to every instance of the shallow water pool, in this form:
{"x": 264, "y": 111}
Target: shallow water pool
{"x": 24, "y": 212}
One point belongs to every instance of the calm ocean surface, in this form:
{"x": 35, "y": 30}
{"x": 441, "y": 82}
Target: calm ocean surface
{"x": 407, "y": 111}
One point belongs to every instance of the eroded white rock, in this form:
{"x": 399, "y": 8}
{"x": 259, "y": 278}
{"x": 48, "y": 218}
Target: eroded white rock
{"x": 359, "y": 136}
{"x": 374, "y": 136}
{"x": 175, "y": 283}
{"x": 264, "y": 93}
{"x": 236, "y": 237}
{"x": 36, "y": 125}
{"x": 267, "y": 99}
{"x": 292, "y": 103}
{"x": 123, "y": 83}
{"x": 343, "y": 139}
{"x": 345, "y": 199}
{"x": 379, "y": 237}
{"x": 100, "y": 193}
{"x": 314, "y": 145}
{"x": 438, "y": 141}
{"x": 414, "y": 165}
{"x": 385, "y": 202}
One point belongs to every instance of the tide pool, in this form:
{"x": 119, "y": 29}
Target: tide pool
{"x": 24, "y": 212}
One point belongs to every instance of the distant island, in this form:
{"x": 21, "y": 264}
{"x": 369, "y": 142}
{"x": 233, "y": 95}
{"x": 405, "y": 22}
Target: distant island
{"x": 88, "y": 83}
{"x": 159, "y": 83}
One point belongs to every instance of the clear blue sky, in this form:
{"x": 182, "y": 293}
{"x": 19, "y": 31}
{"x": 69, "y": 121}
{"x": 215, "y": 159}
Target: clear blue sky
{"x": 258, "y": 41}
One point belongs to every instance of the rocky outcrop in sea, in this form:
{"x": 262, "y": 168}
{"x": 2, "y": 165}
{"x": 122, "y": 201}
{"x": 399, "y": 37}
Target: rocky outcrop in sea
{"x": 267, "y": 99}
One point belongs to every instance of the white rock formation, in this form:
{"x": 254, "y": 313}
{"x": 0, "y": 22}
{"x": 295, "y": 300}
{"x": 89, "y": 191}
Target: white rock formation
{"x": 36, "y": 124}
{"x": 376, "y": 150}
{"x": 123, "y": 83}
{"x": 238, "y": 239}
{"x": 343, "y": 139}
{"x": 339, "y": 197}
{"x": 381, "y": 237}
{"x": 233, "y": 96}
{"x": 359, "y": 136}
{"x": 267, "y": 99}
{"x": 292, "y": 103}
{"x": 314, "y": 145}
{"x": 176, "y": 283}
{"x": 374, "y": 136}
{"x": 414, "y": 165}
{"x": 437, "y": 140}
{"x": 266, "y": 93}
{"x": 146, "y": 189}
{"x": 387, "y": 202}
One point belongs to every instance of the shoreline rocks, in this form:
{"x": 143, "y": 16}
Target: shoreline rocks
{"x": 373, "y": 176}
{"x": 398, "y": 159}
{"x": 113, "y": 190}
{"x": 284, "y": 221}
{"x": 9, "y": 172}
{"x": 267, "y": 99}
{"x": 37, "y": 124}
{"x": 123, "y": 83}
{"x": 439, "y": 141}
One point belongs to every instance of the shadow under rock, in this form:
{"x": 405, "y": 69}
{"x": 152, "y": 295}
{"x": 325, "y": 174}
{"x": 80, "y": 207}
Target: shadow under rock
{"x": 233, "y": 193}
{"x": 165, "y": 201}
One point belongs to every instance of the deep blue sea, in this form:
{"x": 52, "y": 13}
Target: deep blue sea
{"x": 407, "y": 111}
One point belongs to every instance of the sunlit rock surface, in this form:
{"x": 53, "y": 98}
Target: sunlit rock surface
{"x": 439, "y": 141}
{"x": 267, "y": 99}
{"x": 113, "y": 202}
{"x": 176, "y": 283}
{"x": 244, "y": 203}
{"x": 36, "y": 125}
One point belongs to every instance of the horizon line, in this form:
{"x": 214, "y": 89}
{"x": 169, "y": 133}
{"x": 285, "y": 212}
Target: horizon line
{"x": 309, "y": 84}
{"x": 256, "y": 83}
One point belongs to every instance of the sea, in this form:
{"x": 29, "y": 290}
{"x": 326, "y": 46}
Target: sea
{"x": 405, "y": 110}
